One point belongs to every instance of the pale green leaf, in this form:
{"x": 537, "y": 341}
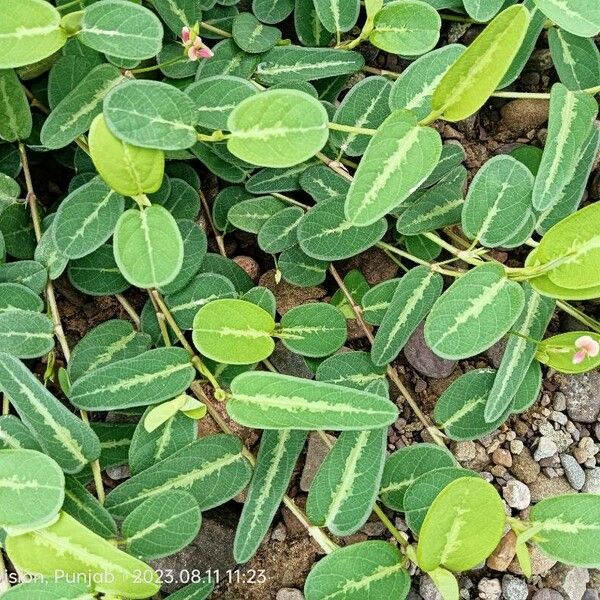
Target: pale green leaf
{"x": 26, "y": 333}
{"x": 252, "y": 36}
{"x": 576, "y": 59}
{"x": 558, "y": 352}
{"x": 250, "y": 215}
{"x": 279, "y": 232}
{"x": 49, "y": 590}
{"x": 15, "y": 114}
{"x": 573, "y": 16}
{"x": 483, "y": 10}
{"x": 337, "y": 15}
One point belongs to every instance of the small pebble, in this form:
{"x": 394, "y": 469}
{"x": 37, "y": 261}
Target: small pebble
{"x": 592, "y": 481}
{"x": 289, "y": 594}
{"x": 501, "y": 456}
{"x": 516, "y": 494}
{"x": 574, "y": 473}
{"x": 546, "y": 448}
{"x": 489, "y": 589}
{"x": 514, "y": 588}
{"x": 516, "y": 446}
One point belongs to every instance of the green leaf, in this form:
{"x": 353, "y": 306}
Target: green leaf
{"x": 337, "y": 15}
{"x": 162, "y": 525}
{"x": 194, "y": 591}
{"x": 26, "y": 333}
{"x": 425, "y": 489}
{"x": 412, "y": 300}
{"x": 29, "y": 273}
{"x": 265, "y": 128}
{"x": 301, "y": 270}
{"x": 148, "y": 247}
{"x": 228, "y": 59}
{"x": 31, "y": 489}
{"x": 407, "y": 27}
{"x": 446, "y": 583}
{"x": 68, "y": 547}
{"x": 129, "y": 170}
{"x": 462, "y": 527}
{"x": 570, "y": 124}
{"x": 399, "y": 142}
{"x": 308, "y": 26}
{"x": 268, "y": 180}
{"x": 366, "y": 105}
{"x": 212, "y": 469}
{"x": 178, "y": 13}
{"x": 345, "y": 487}
{"x": 483, "y": 10}
{"x": 215, "y": 263}
{"x": 86, "y": 219}
{"x": 252, "y": 36}
{"x": 48, "y": 254}
{"x": 287, "y": 64}
{"x": 14, "y": 435}
{"x": 121, "y": 29}
{"x": 414, "y": 88}
{"x": 274, "y": 401}
{"x": 279, "y": 232}
{"x": 277, "y": 456}
{"x": 215, "y": 97}
{"x": 166, "y": 121}
{"x": 326, "y": 233}
{"x": 558, "y": 352}
{"x": 182, "y": 202}
{"x": 149, "y": 378}
{"x": 64, "y": 437}
{"x": 272, "y": 11}
{"x": 404, "y": 466}
{"x": 470, "y": 81}
{"x": 250, "y": 215}
{"x": 30, "y": 31}
{"x": 263, "y": 297}
{"x": 353, "y": 369}
{"x": 519, "y": 352}
{"x": 474, "y": 313}
{"x": 377, "y": 300}
{"x": 74, "y": 114}
{"x": 97, "y": 274}
{"x": 313, "y": 330}
{"x": 85, "y": 507}
{"x": 529, "y": 390}
{"x": 233, "y": 331}
{"x": 499, "y": 196}
{"x": 16, "y": 227}
{"x": 372, "y": 570}
{"x": 576, "y": 59}
{"x": 572, "y": 16}
{"x": 48, "y": 590}
{"x": 148, "y": 448}
{"x": 569, "y": 528}
{"x": 574, "y": 243}
{"x": 15, "y": 114}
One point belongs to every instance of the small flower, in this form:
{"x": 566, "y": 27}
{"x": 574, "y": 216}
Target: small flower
{"x": 186, "y": 35}
{"x": 586, "y": 346}
{"x": 198, "y": 50}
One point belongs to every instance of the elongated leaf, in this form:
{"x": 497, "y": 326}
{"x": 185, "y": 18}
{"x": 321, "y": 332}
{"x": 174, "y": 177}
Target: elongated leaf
{"x": 324, "y": 184}
{"x": 499, "y": 196}
{"x": 370, "y": 570}
{"x": 558, "y": 352}
{"x": 474, "y": 313}
{"x": 149, "y": 378}
{"x": 252, "y": 36}
{"x": 179, "y": 13}
{"x": 576, "y": 59}
{"x": 337, "y": 15}
{"x": 278, "y": 233}
{"x": 29, "y": 273}
{"x": 519, "y": 352}
{"x": 462, "y": 527}
{"x": 572, "y": 16}
{"x": 468, "y": 83}
{"x": 148, "y": 247}
{"x": 353, "y": 369}
{"x": 286, "y": 64}
{"x": 272, "y": 11}
{"x": 308, "y": 26}
{"x": 569, "y": 528}
{"x": 121, "y": 29}
{"x": 73, "y": 116}
{"x": 129, "y": 170}
{"x": 570, "y": 124}
{"x": 70, "y": 548}
{"x": 162, "y": 525}
{"x": 212, "y": 469}
{"x": 31, "y": 489}
{"x": 413, "y": 298}
{"x": 15, "y": 114}
{"x": 30, "y": 31}
{"x": 377, "y": 300}
{"x": 64, "y": 437}
{"x": 301, "y": 270}
{"x": 97, "y": 273}
{"x": 14, "y": 435}
{"x": 277, "y": 456}
{"x": 26, "y": 333}
{"x": 404, "y": 466}
{"x": 265, "y": 128}
{"x": 49, "y": 590}
{"x": 250, "y": 215}
{"x": 344, "y": 489}
{"x": 482, "y": 10}
{"x": 273, "y": 401}
{"x": 277, "y": 180}
{"x": 166, "y": 121}
{"x": 326, "y": 233}
{"x": 377, "y": 189}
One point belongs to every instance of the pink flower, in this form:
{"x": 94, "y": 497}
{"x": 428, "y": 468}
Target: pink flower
{"x": 586, "y": 346}
{"x": 186, "y": 35}
{"x": 198, "y": 50}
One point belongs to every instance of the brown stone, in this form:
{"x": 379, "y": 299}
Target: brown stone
{"x": 504, "y": 553}
{"x": 501, "y": 456}
{"x": 523, "y": 114}
{"x": 524, "y": 467}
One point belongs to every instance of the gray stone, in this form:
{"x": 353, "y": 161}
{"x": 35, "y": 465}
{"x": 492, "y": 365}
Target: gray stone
{"x": 516, "y": 494}
{"x": 514, "y": 588}
{"x": 315, "y": 455}
{"x": 289, "y": 363}
{"x": 590, "y": 595}
{"x": 582, "y": 394}
{"x": 464, "y": 451}
{"x": 289, "y": 594}
{"x": 561, "y": 438}
{"x": 592, "y": 481}
{"x": 575, "y": 583}
{"x": 546, "y": 594}
{"x": 559, "y": 401}
{"x": 546, "y": 448}
{"x": 544, "y": 487}
{"x": 574, "y": 473}
{"x": 489, "y": 589}
{"x": 420, "y": 357}
{"x": 427, "y": 589}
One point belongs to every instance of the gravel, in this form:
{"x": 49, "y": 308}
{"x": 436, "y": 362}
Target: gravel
{"x": 546, "y": 594}
{"x": 489, "y": 589}
{"x": 514, "y": 588}
{"x": 546, "y": 448}
{"x": 592, "y": 481}
{"x": 575, "y": 583}
{"x": 582, "y": 395}
{"x": 289, "y": 594}
{"x": 574, "y": 473}
{"x": 516, "y": 494}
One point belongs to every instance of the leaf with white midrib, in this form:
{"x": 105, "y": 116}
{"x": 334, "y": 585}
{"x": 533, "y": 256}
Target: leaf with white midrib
{"x": 14, "y": 435}
{"x": 277, "y": 456}
{"x": 26, "y": 333}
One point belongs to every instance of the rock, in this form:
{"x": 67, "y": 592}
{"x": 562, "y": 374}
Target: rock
{"x": 279, "y": 533}
{"x": 421, "y": 358}
{"x": 489, "y": 589}
{"x": 289, "y": 594}
{"x": 540, "y": 563}
{"x": 561, "y": 438}
{"x": 211, "y": 550}
{"x": 559, "y": 401}
{"x": 574, "y": 473}
{"x": 464, "y": 451}
{"x": 590, "y": 595}
{"x": 427, "y": 589}
{"x": 514, "y": 588}
{"x": 575, "y": 583}
{"x": 545, "y": 449}
{"x": 288, "y": 295}
{"x": 249, "y": 265}
{"x": 544, "y": 487}
{"x": 289, "y": 363}
{"x": 504, "y": 553}
{"x": 516, "y": 446}
{"x": 315, "y": 455}
{"x": 523, "y": 114}
{"x": 516, "y": 494}
{"x": 501, "y": 456}
{"x": 118, "y": 473}
{"x": 592, "y": 481}
{"x": 582, "y": 393}
{"x": 524, "y": 468}
{"x": 546, "y": 594}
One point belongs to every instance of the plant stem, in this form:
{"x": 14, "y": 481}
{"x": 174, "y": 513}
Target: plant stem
{"x": 52, "y": 304}
{"x": 458, "y": 19}
{"x": 419, "y": 261}
{"x": 290, "y": 200}
{"x": 383, "y": 72}
{"x": 213, "y": 29}
{"x": 168, "y": 63}
{"x": 351, "y": 129}
{"x": 69, "y": 4}
{"x": 211, "y": 223}
{"x": 129, "y": 310}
